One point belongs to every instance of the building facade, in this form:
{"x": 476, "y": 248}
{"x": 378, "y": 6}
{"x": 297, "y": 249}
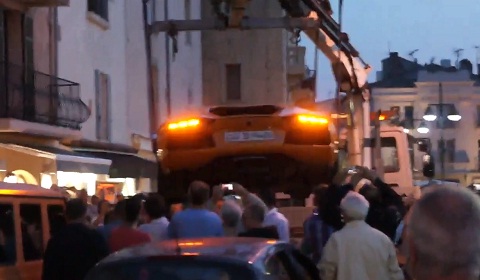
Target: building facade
{"x": 38, "y": 107}
{"x": 176, "y": 61}
{"x": 417, "y": 90}
{"x": 101, "y": 44}
{"x": 246, "y": 67}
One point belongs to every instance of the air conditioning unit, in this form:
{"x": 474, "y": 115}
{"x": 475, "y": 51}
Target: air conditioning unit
{"x": 296, "y": 61}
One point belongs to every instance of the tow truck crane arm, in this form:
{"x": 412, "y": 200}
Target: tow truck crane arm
{"x": 314, "y": 18}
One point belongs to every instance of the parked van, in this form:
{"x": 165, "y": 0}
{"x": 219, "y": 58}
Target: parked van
{"x": 28, "y": 216}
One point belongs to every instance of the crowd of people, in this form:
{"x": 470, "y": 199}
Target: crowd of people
{"x": 356, "y": 232}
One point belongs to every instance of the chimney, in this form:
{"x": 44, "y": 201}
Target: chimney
{"x": 380, "y": 75}
{"x": 445, "y": 63}
{"x": 394, "y": 54}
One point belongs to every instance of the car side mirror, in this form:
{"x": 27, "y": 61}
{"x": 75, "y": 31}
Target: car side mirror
{"x": 428, "y": 166}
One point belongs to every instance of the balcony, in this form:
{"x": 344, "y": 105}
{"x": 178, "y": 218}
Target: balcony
{"x": 36, "y": 103}
{"x": 22, "y": 5}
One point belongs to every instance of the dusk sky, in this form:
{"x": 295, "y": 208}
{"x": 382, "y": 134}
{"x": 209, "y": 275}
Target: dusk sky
{"x": 435, "y": 27}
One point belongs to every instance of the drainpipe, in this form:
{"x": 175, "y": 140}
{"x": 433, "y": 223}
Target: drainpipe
{"x": 55, "y": 36}
{"x": 168, "y": 66}
{"x": 152, "y": 99}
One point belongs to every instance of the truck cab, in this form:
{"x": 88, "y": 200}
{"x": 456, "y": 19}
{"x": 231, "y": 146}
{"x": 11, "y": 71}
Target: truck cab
{"x": 397, "y": 153}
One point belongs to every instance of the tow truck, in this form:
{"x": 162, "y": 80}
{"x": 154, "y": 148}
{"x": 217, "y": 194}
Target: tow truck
{"x": 313, "y": 17}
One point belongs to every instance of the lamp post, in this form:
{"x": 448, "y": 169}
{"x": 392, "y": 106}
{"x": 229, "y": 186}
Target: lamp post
{"x": 430, "y": 116}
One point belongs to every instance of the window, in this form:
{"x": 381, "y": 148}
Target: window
{"x": 478, "y": 115}
{"x": 174, "y": 268}
{"x": 478, "y": 154}
{"x": 99, "y": 7}
{"x": 190, "y": 96}
{"x": 234, "y": 82}
{"x": 450, "y": 150}
{"x": 56, "y": 218}
{"x": 102, "y": 92}
{"x": 188, "y": 16}
{"x": 28, "y": 60}
{"x": 2, "y": 36}
{"x": 32, "y": 239}
{"x": 3, "y": 95}
{"x": 409, "y": 116}
{"x": 389, "y": 154}
{"x": 8, "y": 255}
{"x": 304, "y": 265}
{"x": 155, "y": 80}
{"x": 276, "y": 266}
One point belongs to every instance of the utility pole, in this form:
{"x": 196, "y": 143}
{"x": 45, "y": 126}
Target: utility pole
{"x": 442, "y": 123}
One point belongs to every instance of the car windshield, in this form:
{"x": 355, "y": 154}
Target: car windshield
{"x": 171, "y": 269}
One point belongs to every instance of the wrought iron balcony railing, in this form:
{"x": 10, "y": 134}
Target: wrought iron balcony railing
{"x": 40, "y": 98}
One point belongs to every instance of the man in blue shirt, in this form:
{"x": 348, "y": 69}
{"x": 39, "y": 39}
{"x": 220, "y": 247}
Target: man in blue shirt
{"x": 316, "y": 230}
{"x": 196, "y": 221}
{"x": 118, "y": 216}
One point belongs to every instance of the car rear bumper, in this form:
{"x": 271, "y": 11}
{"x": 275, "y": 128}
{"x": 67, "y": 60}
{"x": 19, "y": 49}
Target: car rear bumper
{"x": 315, "y": 156}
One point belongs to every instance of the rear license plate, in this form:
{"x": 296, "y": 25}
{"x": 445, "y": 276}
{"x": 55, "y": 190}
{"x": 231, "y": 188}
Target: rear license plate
{"x": 247, "y": 136}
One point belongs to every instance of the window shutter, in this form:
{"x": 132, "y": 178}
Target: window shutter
{"x": 108, "y": 108}
{"x": 98, "y": 105}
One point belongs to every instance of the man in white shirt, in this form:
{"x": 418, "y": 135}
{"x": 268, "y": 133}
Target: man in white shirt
{"x": 273, "y": 217}
{"x": 157, "y": 223}
{"x": 358, "y": 251}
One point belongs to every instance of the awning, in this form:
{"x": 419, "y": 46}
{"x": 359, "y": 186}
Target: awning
{"x": 69, "y": 161}
{"x": 126, "y": 165}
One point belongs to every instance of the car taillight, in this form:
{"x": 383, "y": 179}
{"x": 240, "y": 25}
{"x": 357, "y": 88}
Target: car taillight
{"x": 189, "y": 134}
{"x": 312, "y": 120}
{"x": 307, "y": 130}
{"x": 186, "y": 124}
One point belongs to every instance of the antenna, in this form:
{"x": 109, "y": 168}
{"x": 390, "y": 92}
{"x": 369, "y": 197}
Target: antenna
{"x": 477, "y": 54}
{"x": 411, "y": 54}
{"x": 458, "y": 53}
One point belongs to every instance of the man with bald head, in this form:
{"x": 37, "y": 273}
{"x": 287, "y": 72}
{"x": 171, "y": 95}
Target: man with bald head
{"x": 196, "y": 221}
{"x": 444, "y": 235}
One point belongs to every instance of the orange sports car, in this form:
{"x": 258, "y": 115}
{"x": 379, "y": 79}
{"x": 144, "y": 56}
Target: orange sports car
{"x": 289, "y": 149}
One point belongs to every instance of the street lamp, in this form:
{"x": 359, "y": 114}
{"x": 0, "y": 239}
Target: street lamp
{"x": 430, "y": 116}
{"x": 409, "y": 124}
{"x": 423, "y": 128}
{"x": 454, "y": 116}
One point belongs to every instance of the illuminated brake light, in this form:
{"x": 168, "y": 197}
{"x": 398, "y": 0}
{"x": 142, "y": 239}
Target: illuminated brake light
{"x": 190, "y": 244}
{"x": 183, "y": 124}
{"x": 381, "y": 117}
{"x": 312, "y": 119}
